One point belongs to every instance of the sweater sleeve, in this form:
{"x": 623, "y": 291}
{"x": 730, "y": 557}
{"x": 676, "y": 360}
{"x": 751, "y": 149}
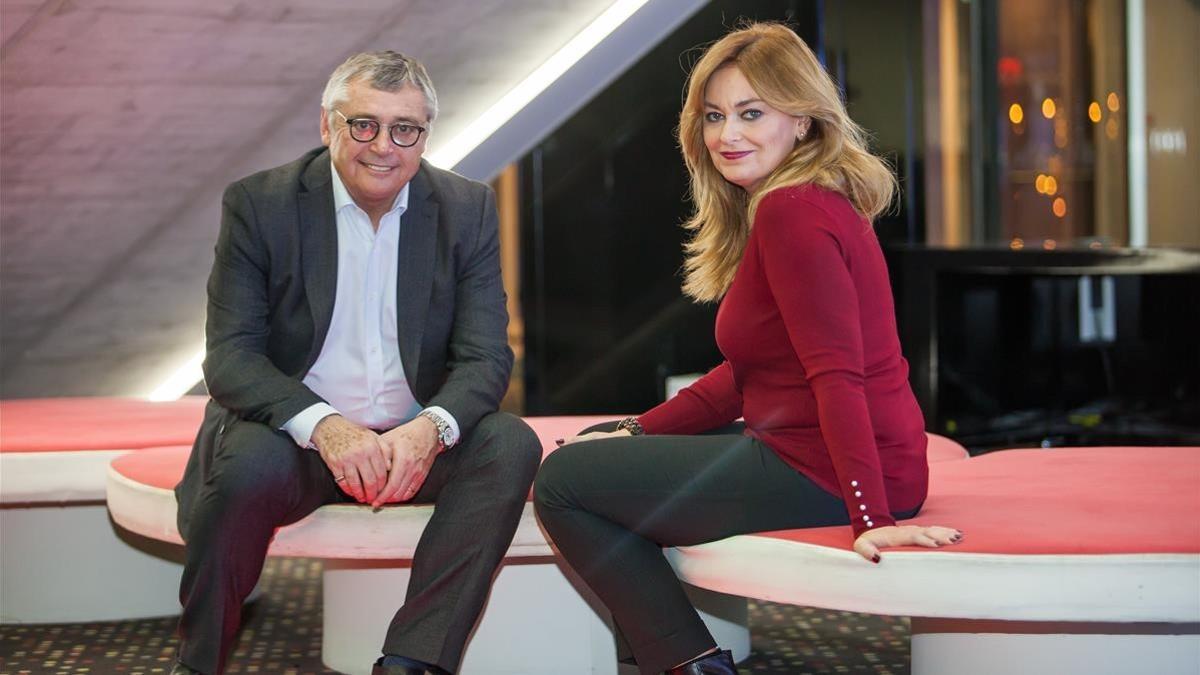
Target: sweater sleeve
{"x": 809, "y": 276}
{"x": 709, "y": 402}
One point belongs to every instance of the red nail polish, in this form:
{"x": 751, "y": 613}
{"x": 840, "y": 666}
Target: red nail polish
{"x": 559, "y": 441}
{"x": 875, "y": 559}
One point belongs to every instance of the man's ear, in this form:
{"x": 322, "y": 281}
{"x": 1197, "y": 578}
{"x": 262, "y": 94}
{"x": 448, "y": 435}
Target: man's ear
{"x": 326, "y": 132}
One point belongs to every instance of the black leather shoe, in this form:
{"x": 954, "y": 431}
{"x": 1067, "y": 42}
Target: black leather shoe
{"x": 380, "y": 669}
{"x": 181, "y": 669}
{"x": 717, "y": 663}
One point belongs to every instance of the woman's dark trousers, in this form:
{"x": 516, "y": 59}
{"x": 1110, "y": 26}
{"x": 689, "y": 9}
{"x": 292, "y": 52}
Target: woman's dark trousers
{"x": 612, "y": 504}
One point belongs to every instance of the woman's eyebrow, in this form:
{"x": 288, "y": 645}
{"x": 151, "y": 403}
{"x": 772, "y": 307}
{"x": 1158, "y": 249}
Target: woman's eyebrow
{"x": 739, "y": 104}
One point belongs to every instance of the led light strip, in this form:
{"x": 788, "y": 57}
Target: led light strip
{"x": 514, "y": 101}
{"x": 181, "y": 381}
{"x": 186, "y": 376}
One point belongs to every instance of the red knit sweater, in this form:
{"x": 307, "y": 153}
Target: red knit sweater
{"x": 813, "y": 362}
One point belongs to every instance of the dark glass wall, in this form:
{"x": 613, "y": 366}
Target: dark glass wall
{"x": 604, "y": 195}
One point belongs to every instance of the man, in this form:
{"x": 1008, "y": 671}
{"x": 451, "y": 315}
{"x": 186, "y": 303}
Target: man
{"x": 357, "y": 351}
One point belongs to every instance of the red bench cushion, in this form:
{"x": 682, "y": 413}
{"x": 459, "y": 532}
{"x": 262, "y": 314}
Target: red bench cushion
{"x": 163, "y": 467}
{"x": 942, "y": 449}
{"x": 74, "y": 424}
{"x": 1059, "y": 501}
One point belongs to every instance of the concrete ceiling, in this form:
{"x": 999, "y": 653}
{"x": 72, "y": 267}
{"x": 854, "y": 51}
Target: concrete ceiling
{"x": 121, "y": 121}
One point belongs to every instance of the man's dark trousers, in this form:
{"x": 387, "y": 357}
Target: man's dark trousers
{"x": 258, "y": 480}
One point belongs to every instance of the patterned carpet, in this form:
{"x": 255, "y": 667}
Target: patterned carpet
{"x": 282, "y": 634}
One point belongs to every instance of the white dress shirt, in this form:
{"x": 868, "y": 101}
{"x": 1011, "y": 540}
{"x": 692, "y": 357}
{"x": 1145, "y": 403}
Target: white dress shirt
{"x": 359, "y": 371}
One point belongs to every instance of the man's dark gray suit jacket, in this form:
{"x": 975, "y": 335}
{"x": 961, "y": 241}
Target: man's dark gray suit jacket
{"x": 273, "y": 284}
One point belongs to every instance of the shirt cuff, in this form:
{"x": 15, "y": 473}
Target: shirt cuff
{"x": 301, "y": 427}
{"x": 450, "y": 421}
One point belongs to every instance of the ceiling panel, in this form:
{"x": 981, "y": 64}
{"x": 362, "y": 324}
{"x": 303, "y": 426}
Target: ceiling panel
{"x": 122, "y": 121}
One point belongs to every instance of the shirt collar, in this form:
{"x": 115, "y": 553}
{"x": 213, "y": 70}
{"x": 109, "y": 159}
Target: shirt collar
{"x": 342, "y": 198}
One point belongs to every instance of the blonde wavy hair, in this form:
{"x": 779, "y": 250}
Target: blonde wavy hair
{"x": 833, "y": 154}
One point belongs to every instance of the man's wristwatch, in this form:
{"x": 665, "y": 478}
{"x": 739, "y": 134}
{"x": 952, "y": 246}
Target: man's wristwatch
{"x": 444, "y": 434}
{"x": 632, "y": 425}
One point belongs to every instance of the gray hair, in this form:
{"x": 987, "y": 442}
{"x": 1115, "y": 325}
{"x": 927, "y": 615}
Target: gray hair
{"x": 384, "y": 70}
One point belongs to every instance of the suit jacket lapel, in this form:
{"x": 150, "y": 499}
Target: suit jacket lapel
{"x": 414, "y": 274}
{"x": 318, "y": 248}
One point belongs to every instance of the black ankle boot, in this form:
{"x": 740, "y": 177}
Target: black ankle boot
{"x": 181, "y": 669}
{"x": 380, "y": 669}
{"x": 717, "y": 663}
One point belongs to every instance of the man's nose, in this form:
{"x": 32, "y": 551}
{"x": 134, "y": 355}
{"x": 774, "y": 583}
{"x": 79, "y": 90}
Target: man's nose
{"x": 382, "y": 144}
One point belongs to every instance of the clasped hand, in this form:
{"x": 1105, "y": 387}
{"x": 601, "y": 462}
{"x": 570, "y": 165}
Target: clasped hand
{"x": 377, "y": 468}
{"x": 932, "y": 536}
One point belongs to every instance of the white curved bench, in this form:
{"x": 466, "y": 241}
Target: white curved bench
{"x": 538, "y": 620}
{"x": 1079, "y": 560}
{"x": 54, "y": 456}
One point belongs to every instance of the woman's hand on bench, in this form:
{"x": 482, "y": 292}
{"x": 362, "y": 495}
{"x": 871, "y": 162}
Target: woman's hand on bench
{"x": 870, "y": 542}
{"x": 594, "y": 436}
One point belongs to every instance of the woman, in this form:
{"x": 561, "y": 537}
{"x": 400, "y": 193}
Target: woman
{"x": 785, "y": 191}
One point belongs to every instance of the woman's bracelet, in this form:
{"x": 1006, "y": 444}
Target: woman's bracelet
{"x": 632, "y": 425}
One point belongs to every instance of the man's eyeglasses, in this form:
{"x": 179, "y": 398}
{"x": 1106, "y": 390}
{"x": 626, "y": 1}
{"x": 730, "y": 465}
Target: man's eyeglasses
{"x": 365, "y": 129}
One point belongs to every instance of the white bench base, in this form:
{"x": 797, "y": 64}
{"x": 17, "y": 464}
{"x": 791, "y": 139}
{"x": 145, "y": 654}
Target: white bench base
{"x": 68, "y": 564}
{"x": 950, "y": 647}
{"x": 536, "y": 621}
{"x": 367, "y": 556}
